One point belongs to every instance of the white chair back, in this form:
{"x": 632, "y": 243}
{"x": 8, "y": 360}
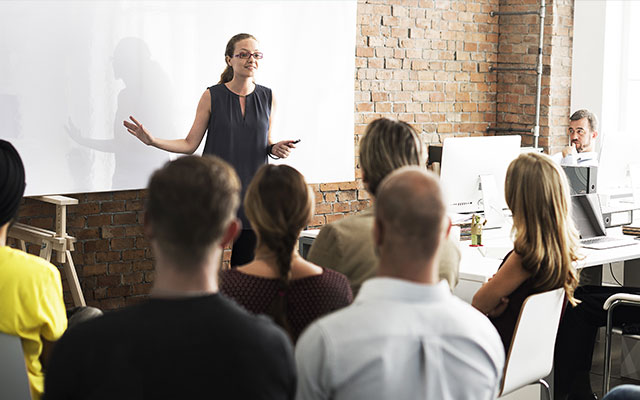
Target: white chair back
{"x": 14, "y": 382}
{"x": 530, "y": 356}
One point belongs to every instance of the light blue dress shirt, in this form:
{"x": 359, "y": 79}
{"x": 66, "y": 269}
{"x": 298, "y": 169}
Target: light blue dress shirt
{"x": 401, "y": 340}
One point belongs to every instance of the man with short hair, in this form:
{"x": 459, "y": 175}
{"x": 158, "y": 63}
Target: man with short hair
{"x": 583, "y": 131}
{"x": 31, "y": 303}
{"x": 187, "y": 341}
{"x": 405, "y": 336}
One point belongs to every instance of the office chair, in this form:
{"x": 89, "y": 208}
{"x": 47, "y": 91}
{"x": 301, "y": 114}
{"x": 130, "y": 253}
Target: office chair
{"x": 530, "y": 356}
{"x": 14, "y": 382}
{"x": 610, "y": 305}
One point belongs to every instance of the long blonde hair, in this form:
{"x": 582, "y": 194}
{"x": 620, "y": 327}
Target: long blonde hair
{"x": 537, "y": 193}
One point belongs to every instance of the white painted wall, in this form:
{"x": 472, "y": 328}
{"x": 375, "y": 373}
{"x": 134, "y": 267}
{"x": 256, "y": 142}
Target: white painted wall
{"x": 606, "y": 60}
{"x": 71, "y": 71}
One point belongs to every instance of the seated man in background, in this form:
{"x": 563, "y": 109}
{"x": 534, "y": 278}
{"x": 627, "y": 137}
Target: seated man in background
{"x": 187, "y": 341}
{"x": 583, "y": 132}
{"x": 347, "y": 245}
{"x": 405, "y": 336}
{"x": 31, "y": 303}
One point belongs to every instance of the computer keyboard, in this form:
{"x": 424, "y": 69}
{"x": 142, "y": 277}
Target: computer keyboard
{"x": 599, "y": 239}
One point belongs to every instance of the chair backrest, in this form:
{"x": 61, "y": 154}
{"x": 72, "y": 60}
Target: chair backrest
{"x": 530, "y": 356}
{"x": 14, "y": 382}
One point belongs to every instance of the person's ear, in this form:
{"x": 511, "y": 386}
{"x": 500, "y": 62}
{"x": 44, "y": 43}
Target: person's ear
{"x": 378, "y": 232}
{"x": 594, "y": 134}
{"x": 227, "y": 59}
{"x": 447, "y": 226}
{"x": 148, "y": 227}
{"x": 231, "y": 233}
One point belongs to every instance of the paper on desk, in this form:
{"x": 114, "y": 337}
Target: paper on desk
{"x": 495, "y": 252}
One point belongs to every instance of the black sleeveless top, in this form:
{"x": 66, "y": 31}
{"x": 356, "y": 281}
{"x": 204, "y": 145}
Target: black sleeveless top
{"x": 506, "y": 322}
{"x": 241, "y": 141}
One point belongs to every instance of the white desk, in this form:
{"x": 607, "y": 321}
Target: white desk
{"x": 476, "y": 268}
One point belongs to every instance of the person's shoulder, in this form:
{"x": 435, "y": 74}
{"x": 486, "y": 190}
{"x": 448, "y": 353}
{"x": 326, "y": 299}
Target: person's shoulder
{"x": 450, "y": 249}
{"x": 466, "y": 320}
{"x": 264, "y": 93}
{"x": 261, "y": 88}
{"x": 334, "y": 278}
{"x": 245, "y": 321}
{"x": 257, "y": 334}
{"x": 557, "y": 157}
{"x": 332, "y": 325}
{"x": 28, "y": 264}
{"x": 351, "y": 224}
{"x": 332, "y": 286}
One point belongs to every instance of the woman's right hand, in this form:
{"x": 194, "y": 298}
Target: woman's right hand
{"x": 137, "y": 130}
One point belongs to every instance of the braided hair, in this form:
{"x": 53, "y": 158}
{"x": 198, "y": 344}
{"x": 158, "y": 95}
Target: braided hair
{"x": 279, "y": 205}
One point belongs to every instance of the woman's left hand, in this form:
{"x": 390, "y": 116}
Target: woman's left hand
{"x": 283, "y": 148}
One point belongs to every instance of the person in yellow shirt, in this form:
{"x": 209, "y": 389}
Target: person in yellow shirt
{"x": 31, "y": 303}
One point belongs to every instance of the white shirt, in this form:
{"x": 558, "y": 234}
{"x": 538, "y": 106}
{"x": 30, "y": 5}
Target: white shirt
{"x": 585, "y": 159}
{"x": 401, "y": 340}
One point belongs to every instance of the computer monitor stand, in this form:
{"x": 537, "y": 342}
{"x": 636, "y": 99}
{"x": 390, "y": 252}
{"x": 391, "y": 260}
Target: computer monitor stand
{"x": 492, "y": 204}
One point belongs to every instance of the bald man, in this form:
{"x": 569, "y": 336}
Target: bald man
{"x": 405, "y": 336}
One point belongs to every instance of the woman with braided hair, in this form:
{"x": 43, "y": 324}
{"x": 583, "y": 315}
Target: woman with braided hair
{"x": 279, "y": 282}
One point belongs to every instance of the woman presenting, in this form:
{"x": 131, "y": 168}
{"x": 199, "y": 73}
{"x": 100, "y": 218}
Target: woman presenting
{"x": 238, "y": 115}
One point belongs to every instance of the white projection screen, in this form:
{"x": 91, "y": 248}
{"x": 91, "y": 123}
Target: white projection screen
{"x": 71, "y": 71}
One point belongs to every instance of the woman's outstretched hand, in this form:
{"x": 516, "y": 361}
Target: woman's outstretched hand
{"x": 137, "y": 130}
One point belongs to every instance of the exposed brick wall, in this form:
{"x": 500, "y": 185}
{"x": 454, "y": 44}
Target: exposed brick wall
{"x": 518, "y": 47}
{"x": 425, "y": 62}
{"x": 112, "y": 257}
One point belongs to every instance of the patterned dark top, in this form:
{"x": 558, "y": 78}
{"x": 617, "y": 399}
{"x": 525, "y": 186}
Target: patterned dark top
{"x": 307, "y": 299}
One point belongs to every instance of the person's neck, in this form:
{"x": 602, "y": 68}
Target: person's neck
{"x": 269, "y": 257}
{"x": 409, "y": 269}
{"x": 176, "y": 280}
{"x": 4, "y": 229}
{"x": 241, "y": 86}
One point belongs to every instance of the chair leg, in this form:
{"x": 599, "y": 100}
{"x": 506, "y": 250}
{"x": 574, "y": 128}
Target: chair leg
{"x": 545, "y": 385}
{"x": 606, "y": 376}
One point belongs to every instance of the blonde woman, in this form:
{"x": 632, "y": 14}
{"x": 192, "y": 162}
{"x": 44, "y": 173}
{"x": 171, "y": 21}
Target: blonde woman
{"x": 279, "y": 282}
{"x": 545, "y": 245}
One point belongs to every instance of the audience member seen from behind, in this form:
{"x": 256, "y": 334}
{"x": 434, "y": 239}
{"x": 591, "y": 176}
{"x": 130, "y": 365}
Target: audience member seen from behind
{"x": 545, "y": 242}
{"x": 405, "y": 336}
{"x": 347, "y": 245}
{"x": 623, "y": 392}
{"x": 31, "y": 303}
{"x": 187, "y": 341}
{"x": 279, "y": 282}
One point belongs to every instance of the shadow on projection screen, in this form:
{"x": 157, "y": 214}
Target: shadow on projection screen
{"x": 71, "y": 72}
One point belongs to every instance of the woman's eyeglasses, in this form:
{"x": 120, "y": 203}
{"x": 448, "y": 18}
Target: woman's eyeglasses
{"x": 244, "y": 55}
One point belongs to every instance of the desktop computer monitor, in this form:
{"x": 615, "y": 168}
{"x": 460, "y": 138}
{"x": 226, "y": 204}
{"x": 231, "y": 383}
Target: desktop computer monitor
{"x": 468, "y": 160}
